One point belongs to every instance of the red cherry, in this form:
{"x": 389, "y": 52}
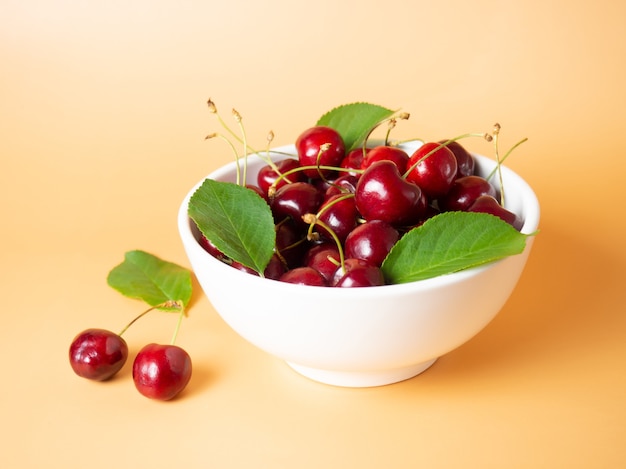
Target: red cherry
{"x": 339, "y": 214}
{"x": 488, "y": 204}
{"x": 357, "y": 273}
{"x": 209, "y": 247}
{"x": 267, "y": 175}
{"x": 317, "y": 247}
{"x": 464, "y": 161}
{"x": 258, "y": 190}
{"x": 309, "y": 146}
{"x": 291, "y": 242}
{"x": 325, "y": 261}
{"x": 97, "y": 354}
{"x": 243, "y": 268}
{"x": 385, "y": 152}
{"x": 354, "y": 159}
{"x": 275, "y": 268}
{"x": 294, "y": 201}
{"x": 161, "y": 371}
{"x": 304, "y": 276}
{"x": 371, "y": 241}
{"x": 382, "y": 194}
{"x": 464, "y": 191}
{"x": 435, "y": 173}
{"x": 345, "y": 184}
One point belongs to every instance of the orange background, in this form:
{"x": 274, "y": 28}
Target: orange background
{"x": 102, "y": 123}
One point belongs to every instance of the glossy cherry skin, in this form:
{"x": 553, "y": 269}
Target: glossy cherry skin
{"x": 464, "y": 191}
{"x": 345, "y": 184}
{"x": 382, "y": 194}
{"x": 258, "y": 191}
{"x": 275, "y": 268}
{"x": 209, "y": 247}
{"x": 386, "y": 152}
{"x": 488, "y": 204}
{"x": 324, "y": 260}
{"x": 97, "y": 354}
{"x": 357, "y": 273}
{"x": 304, "y": 276}
{"x": 291, "y": 242}
{"x": 435, "y": 173}
{"x": 294, "y": 201}
{"x": 339, "y": 214}
{"x": 371, "y": 241}
{"x": 354, "y": 159}
{"x": 268, "y": 176}
{"x": 465, "y": 164}
{"x": 317, "y": 247}
{"x": 309, "y": 148}
{"x": 161, "y": 371}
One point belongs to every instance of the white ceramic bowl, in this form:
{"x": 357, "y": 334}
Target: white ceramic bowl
{"x": 361, "y": 337}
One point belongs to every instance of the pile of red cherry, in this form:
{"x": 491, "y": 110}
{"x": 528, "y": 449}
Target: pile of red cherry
{"x": 338, "y": 214}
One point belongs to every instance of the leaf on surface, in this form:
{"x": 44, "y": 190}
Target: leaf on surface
{"x": 450, "y": 242}
{"x": 146, "y": 277}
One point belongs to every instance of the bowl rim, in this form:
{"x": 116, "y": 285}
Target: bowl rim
{"x": 531, "y": 223}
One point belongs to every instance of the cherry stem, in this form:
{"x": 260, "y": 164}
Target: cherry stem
{"x": 390, "y": 126}
{"x": 234, "y": 150}
{"x": 243, "y": 140}
{"x": 178, "y": 323}
{"x": 496, "y": 133}
{"x": 391, "y": 123}
{"x": 323, "y": 148}
{"x": 286, "y": 174}
{"x": 213, "y": 110}
{"x": 312, "y": 220}
{"x": 507, "y": 154}
{"x": 176, "y": 304}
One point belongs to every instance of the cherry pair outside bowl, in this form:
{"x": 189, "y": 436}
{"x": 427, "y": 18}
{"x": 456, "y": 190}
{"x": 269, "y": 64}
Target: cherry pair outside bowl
{"x": 360, "y": 337}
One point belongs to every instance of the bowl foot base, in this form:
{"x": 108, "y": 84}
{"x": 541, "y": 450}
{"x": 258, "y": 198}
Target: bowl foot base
{"x": 361, "y": 379}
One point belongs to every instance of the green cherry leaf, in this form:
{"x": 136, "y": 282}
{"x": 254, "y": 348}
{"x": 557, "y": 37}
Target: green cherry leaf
{"x": 450, "y": 242}
{"x": 354, "y": 121}
{"x": 237, "y": 220}
{"x": 146, "y": 277}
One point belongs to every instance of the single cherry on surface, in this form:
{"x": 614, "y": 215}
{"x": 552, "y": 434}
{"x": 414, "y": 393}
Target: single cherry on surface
{"x": 161, "y": 372}
{"x": 97, "y": 354}
{"x": 320, "y": 146}
{"x": 434, "y": 169}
